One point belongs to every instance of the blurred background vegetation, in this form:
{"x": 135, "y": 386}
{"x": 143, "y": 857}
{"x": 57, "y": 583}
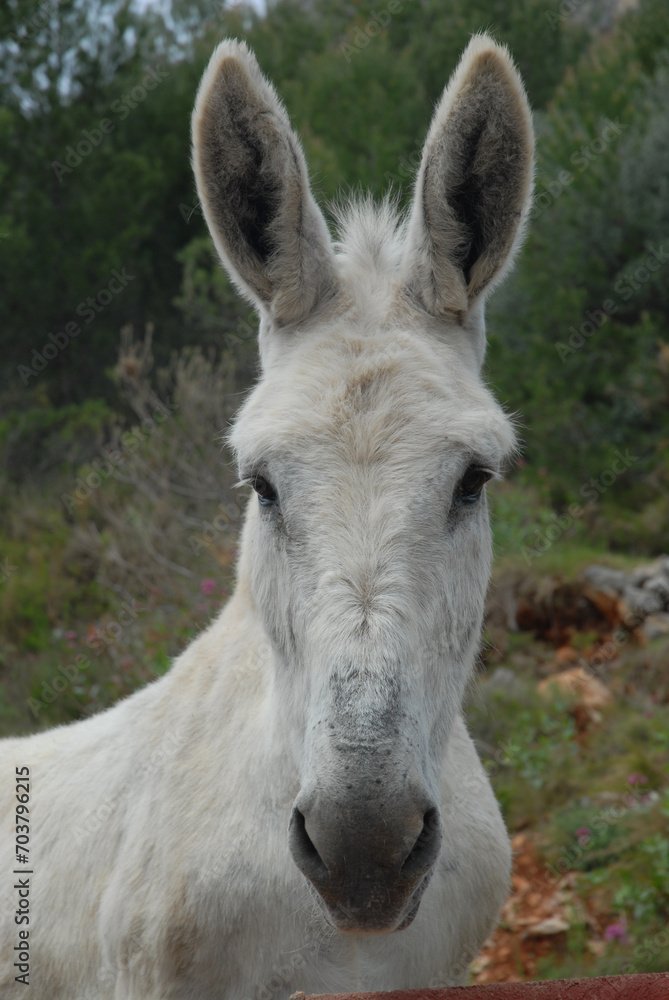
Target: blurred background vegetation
{"x": 118, "y": 519}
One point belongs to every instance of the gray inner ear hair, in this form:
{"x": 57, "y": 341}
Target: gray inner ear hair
{"x": 257, "y": 202}
{"x": 244, "y": 187}
{"x": 484, "y": 177}
{"x": 473, "y": 188}
{"x": 464, "y": 200}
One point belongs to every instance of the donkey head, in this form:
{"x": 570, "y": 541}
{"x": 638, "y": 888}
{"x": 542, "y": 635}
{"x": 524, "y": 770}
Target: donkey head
{"x": 368, "y": 440}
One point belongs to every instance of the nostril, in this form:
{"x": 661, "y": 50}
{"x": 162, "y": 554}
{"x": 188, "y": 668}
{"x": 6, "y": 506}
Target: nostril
{"x": 424, "y": 852}
{"x": 304, "y": 851}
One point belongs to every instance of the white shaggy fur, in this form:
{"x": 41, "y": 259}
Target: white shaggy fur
{"x": 159, "y": 829}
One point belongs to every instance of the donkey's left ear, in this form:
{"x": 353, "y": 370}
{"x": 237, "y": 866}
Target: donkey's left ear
{"x": 253, "y": 185}
{"x": 473, "y": 188}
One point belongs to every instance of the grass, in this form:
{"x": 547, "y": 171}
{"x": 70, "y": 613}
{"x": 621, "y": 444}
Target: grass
{"x": 520, "y": 518}
{"x": 109, "y": 567}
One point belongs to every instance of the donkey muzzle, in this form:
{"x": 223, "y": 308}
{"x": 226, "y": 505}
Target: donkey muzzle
{"x": 369, "y": 866}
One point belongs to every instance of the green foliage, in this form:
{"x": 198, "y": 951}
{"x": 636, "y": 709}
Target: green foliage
{"x": 516, "y": 514}
{"x": 41, "y": 439}
{"x": 578, "y": 342}
{"x": 103, "y": 581}
{"x": 214, "y": 310}
{"x": 537, "y": 737}
{"x": 529, "y": 749}
{"x": 69, "y": 216}
{"x": 81, "y": 202}
{"x": 126, "y": 201}
{"x": 644, "y": 888}
{"x": 586, "y": 850}
{"x": 44, "y": 584}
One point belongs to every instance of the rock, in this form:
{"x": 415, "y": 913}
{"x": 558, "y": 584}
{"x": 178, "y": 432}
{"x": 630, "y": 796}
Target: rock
{"x": 585, "y": 688}
{"x": 628, "y": 597}
{"x": 567, "y": 654}
{"x": 587, "y": 693}
{"x": 554, "y": 609}
{"x": 606, "y": 602}
{"x": 640, "y": 575}
{"x": 639, "y": 601}
{"x": 655, "y": 626}
{"x": 603, "y": 578}
{"x": 551, "y": 925}
{"x": 659, "y": 585}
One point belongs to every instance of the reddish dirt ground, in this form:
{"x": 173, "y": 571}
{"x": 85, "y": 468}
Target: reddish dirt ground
{"x": 535, "y": 919}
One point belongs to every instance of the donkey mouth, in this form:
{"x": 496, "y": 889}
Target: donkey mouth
{"x": 366, "y": 880}
{"x": 376, "y": 913}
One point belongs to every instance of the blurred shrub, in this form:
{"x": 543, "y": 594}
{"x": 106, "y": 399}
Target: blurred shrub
{"x": 590, "y": 378}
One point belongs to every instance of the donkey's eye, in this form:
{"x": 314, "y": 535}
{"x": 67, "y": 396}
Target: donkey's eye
{"x": 470, "y": 486}
{"x": 265, "y": 490}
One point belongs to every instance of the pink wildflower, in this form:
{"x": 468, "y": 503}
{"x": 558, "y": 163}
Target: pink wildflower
{"x": 208, "y": 587}
{"x": 616, "y": 932}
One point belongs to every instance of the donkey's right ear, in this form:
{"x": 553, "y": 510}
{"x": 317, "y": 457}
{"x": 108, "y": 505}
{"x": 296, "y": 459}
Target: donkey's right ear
{"x": 253, "y": 184}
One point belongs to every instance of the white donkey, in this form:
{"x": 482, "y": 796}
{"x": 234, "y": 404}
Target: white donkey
{"x": 301, "y": 784}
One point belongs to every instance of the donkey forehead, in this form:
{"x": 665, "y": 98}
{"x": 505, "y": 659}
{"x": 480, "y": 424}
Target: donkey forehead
{"x": 367, "y": 398}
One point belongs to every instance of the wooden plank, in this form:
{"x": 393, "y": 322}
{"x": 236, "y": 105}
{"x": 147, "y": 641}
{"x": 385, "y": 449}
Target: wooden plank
{"x": 646, "y": 986}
